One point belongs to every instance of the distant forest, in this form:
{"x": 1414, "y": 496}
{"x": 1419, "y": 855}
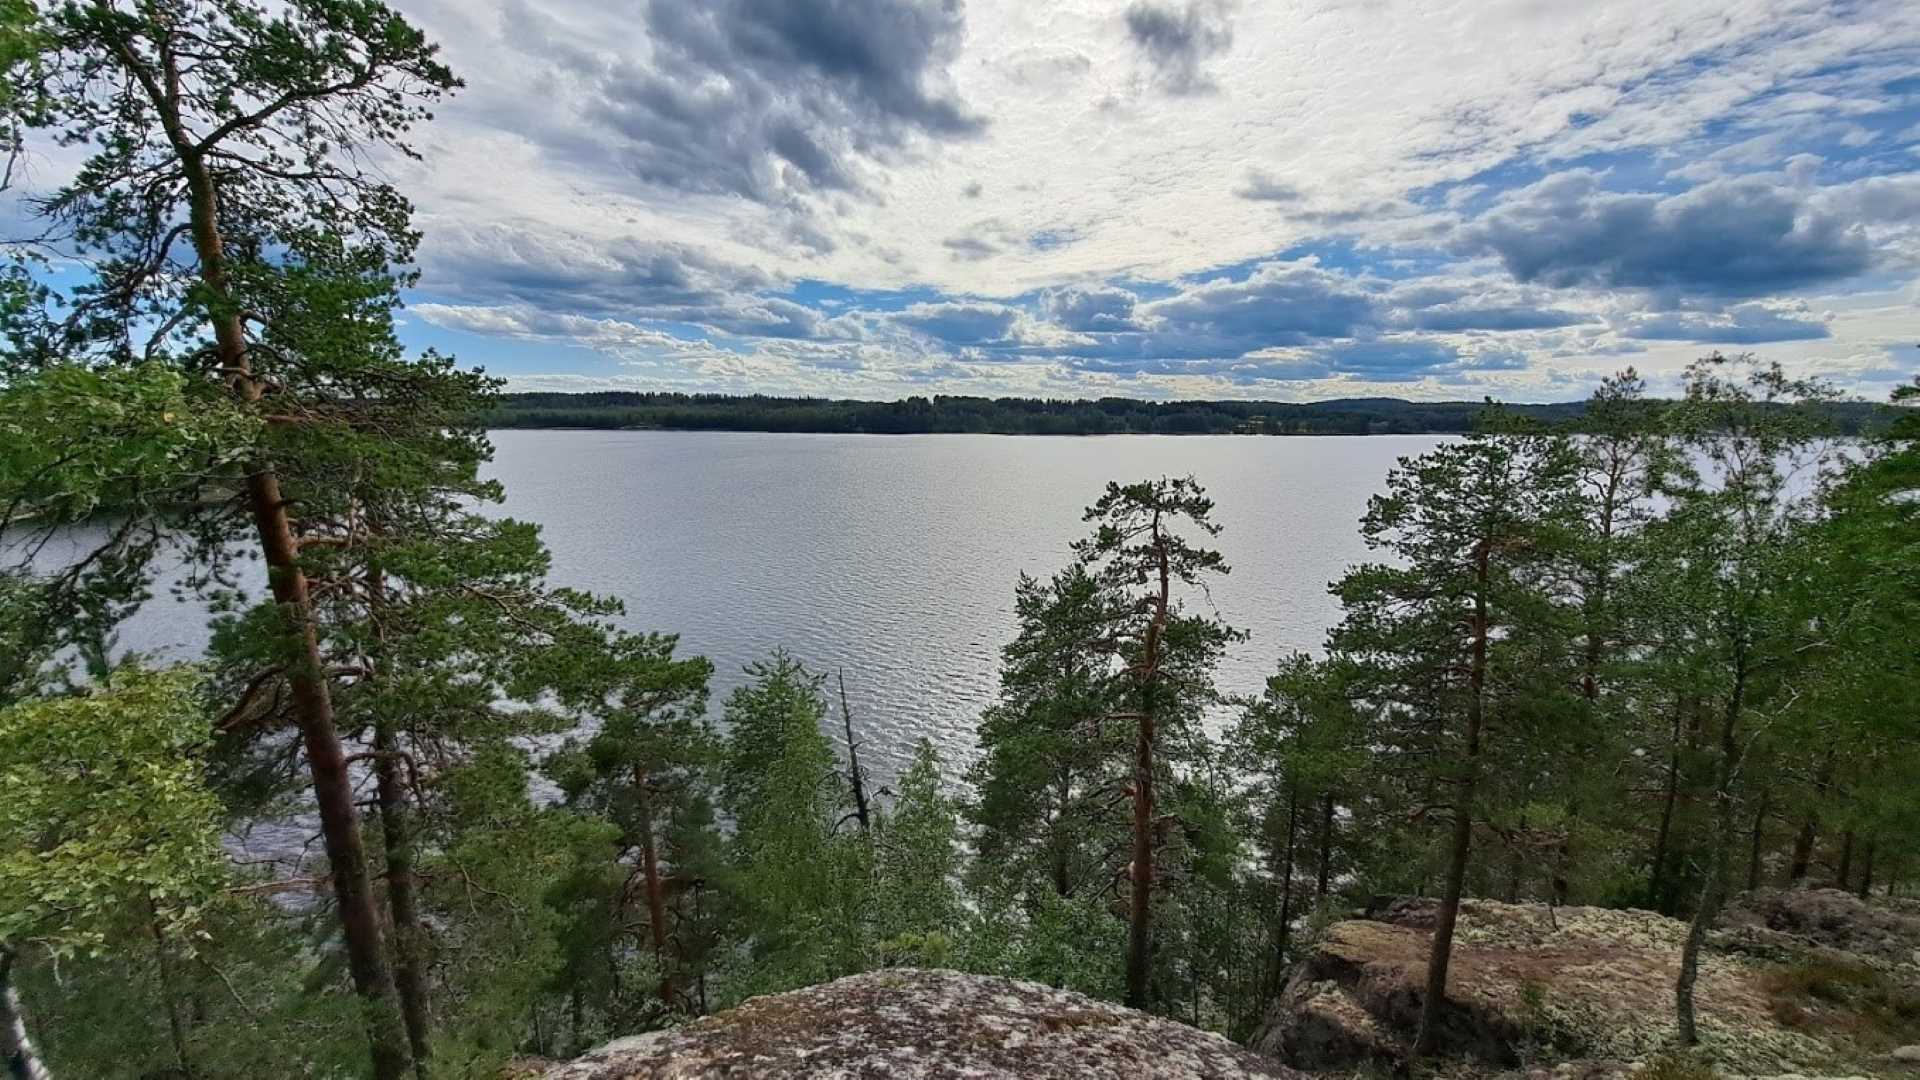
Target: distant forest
{"x": 1035, "y": 416}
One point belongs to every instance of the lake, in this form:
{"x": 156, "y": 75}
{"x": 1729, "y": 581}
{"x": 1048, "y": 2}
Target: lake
{"x": 894, "y": 557}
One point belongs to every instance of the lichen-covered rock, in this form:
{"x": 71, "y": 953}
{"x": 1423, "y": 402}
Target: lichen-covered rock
{"x": 907, "y": 1024}
{"x": 1832, "y": 919}
{"x": 1528, "y": 984}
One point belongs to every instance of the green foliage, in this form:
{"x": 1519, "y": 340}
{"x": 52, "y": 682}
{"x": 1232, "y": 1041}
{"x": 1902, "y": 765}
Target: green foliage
{"x": 108, "y": 822}
{"x": 802, "y": 881}
{"x": 917, "y": 903}
{"x": 76, "y": 441}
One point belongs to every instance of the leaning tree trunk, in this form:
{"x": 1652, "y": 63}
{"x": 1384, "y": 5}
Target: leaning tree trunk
{"x": 856, "y": 779}
{"x": 409, "y": 930}
{"x": 1713, "y": 893}
{"x": 312, "y": 702}
{"x": 1440, "y": 954}
{"x": 16, "y": 1047}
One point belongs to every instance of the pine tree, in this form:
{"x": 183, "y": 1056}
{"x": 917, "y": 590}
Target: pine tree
{"x": 650, "y": 759}
{"x": 223, "y": 195}
{"x": 1140, "y": 554}
{"x": 1730, "y": 549}
{"x": 1442, "y": 642}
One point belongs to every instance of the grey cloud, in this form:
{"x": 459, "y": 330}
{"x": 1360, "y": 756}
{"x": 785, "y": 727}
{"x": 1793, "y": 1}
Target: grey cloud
{"x": 961, "y": 322}
{"x": 1100, "y": 308}
{"x": 1388, "y": 360}
{"x": 969, "y": 248}
{"x": 1457, "y": 317}
{"x": 1277, "y": 304}
{"x": 769, "y": 99}
{"x": 499, "y": 264}
{"x": 1746, "y": 236}
{"x": 1178, "y": 40}
{"x": 1261, "y": 187}
{"x": 1744, "y": 324}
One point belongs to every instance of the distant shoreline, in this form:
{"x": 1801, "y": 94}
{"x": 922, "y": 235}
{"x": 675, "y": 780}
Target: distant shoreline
{"x": 951, "y": 415}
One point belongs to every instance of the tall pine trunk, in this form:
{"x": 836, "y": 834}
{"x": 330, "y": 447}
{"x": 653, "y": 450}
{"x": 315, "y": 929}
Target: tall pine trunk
{"x": 1440, "y": 955}
{"x": 1758, "y": 844}
{"x": 1866, "y": 872}
{"x": 1284, "y": 931}
{"x": 409, "y": 931}
{"x": 1802, "y": 860}
{"x": 312, "y": 701}
{"x": 654, "y": 885}
{"x": 1324, "y": 867}
{"x": 1140, "y": 912}
{"x": 1656, "y": 876}
{"x": 1713, "y": 893}
{"x": 1844, "y": 872}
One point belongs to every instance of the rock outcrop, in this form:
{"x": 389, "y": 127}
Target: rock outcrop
{"x": 1884, "y": 933}
{"x": 906, "y": 1024}
{"x": 1530, "y": 985}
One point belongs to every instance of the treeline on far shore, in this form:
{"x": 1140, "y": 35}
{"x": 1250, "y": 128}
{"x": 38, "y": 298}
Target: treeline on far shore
{"x": 1037, "y": 416}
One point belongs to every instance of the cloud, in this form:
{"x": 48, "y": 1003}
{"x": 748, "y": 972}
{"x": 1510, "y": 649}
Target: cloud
{"x": 1743, "y": 324}
{"x": 525, "y": 322}
{"x": 503, "y": 264}
{"x": 769, "y": 184}
{"x": 1388, "y": 359}
{"x": 961, "y": 323}
{"x": 1458, "y": 317}
{"x": 1100, "y": 308}
{"x": 970, "y": 248}
{"x": 1261, "y": 187}
{"x": 770, "y": 100}
{"x": 1746, "y": 236}
{"x": 1177, "y": 40}
{"x": 1278, "y": 303}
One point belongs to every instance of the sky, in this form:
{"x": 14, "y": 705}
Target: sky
{"x": 1292, "y": 200}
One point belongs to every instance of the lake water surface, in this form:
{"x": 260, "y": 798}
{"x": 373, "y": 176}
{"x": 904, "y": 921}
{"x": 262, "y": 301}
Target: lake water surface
{"x": 894, "y": 557}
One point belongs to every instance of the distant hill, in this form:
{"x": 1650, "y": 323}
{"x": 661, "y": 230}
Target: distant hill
{"x": 1033, "y": 416}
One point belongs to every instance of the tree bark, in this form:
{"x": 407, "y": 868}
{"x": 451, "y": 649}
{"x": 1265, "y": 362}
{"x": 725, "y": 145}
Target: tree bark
{"x": 16, "y": 1046}
{"x": 409, "y": 931}
{"x": 855, "y": 777}
{"x": 1802, "y": 860}
{"x": 177, "y": 1025}
{"x": 1325, "y": 864}
{"x": 1757, "y": 845}
{"x": 1844, "y": 872}
{"x": 1440, "y": 955}
{"x": 1713, "y": 893}
{"x": 1057, "y": 837}
{"x": 654, "y": 886}
{"x": 1140, "y": 911}
{"x": 312, "y": 701}
{"x": 1656, "y": 878}
{"x": 1284, "y": 931}
{"x": 1866, "y": 872}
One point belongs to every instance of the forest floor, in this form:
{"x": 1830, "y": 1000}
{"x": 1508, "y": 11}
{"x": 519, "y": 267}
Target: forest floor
{"x": 1802, "y": 983}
